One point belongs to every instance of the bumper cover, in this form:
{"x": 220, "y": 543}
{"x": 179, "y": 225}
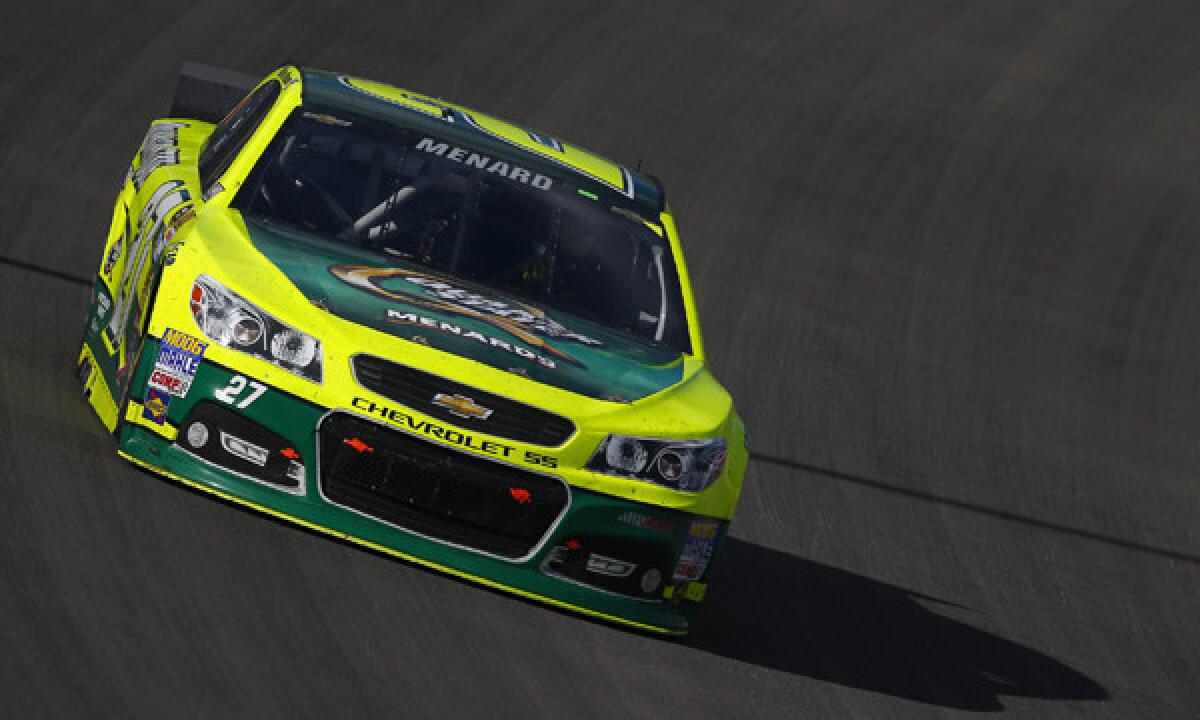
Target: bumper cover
{"x": 576, "y": 566}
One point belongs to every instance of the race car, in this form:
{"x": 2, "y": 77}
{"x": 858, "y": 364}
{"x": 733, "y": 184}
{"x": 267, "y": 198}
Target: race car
{"x": 419, "y": 328}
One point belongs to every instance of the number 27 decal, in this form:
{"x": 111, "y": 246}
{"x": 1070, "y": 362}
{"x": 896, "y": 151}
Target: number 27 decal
{"x": 231, "y": 394}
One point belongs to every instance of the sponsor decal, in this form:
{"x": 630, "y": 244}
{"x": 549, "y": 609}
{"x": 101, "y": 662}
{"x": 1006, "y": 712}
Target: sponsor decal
{"x": 244, "y": 449}
{"x": 169, "y": 247}
{"x": 102, "y": 304}
{"x": 450, "y": 436}
{"x": 648, "y": 522}
{"x": 159, "y": 149}
{"x": 138, "y": 266}
{"x": 115, "y": 253}
{"x": 416, "y": 320}
{"x": 697, "y": 551}
{"x": 182, "y": 215}
{"x": 179, "y": 356}
{"x": 604, "y": 565}
{"x": 155, "y": 406}
{"x": 169, "y": 382}
{"x": 526, "y": 316}
{"x": 522, "y": 321}
{"x": 462, "y": 406}
{"x": 512, "y": 171}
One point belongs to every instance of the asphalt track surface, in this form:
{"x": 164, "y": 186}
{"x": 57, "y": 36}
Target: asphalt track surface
{"x": 946, "y": 260}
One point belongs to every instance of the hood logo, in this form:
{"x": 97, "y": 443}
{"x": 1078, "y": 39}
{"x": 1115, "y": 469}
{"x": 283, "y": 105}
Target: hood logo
{"x": 524, "y": 322}
{"x": 462, "y": 406}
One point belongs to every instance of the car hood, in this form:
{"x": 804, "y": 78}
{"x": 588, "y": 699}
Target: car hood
{"x": 455, "y": 316}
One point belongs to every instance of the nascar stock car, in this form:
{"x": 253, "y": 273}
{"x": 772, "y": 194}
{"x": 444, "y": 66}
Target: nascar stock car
{"x": 420, "y": 328}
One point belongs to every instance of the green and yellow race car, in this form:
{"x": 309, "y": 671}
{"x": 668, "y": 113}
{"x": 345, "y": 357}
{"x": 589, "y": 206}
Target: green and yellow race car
{"x": 420, "y": 328}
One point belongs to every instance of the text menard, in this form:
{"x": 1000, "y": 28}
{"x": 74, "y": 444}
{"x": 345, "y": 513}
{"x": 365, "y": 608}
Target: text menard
{"x": 512, "y": 171}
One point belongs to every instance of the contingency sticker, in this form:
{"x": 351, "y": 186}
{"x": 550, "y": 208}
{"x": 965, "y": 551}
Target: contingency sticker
{"x": 697, "y": 550}
{"x": 637, "y": 519}
{"x": 155, "y": 407}
{"x": 178, "y": 360}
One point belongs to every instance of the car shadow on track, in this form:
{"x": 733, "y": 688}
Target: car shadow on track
{"x": 786, "y": 613}
{"x": 783, "y": 612}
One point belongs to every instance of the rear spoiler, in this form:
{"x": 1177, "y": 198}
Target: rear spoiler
{"x": 207, "y": 92}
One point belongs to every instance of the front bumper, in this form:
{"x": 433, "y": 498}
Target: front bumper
{"x": 595, "y": 557}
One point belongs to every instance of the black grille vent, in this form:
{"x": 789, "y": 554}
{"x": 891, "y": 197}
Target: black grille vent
{"x": 417, "y": 389}
{"x": 222, "y": 429}
{"x": 437, "y": 492}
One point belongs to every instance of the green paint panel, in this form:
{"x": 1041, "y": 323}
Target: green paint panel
{"x": 615, "y": 368}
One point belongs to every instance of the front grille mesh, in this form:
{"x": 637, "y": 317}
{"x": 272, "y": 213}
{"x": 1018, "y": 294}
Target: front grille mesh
{"x": 434, "y": 491}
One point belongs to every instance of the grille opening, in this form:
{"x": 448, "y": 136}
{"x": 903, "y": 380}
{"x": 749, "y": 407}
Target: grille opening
{"x": 434, "y": 491}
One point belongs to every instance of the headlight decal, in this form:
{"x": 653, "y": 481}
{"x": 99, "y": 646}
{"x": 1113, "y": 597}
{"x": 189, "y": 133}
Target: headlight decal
{"x": 230, "y": 320}
{"x": 686, "y": 465}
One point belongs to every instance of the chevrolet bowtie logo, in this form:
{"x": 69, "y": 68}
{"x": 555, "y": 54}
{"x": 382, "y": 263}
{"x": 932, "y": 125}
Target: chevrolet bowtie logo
{"x": 462, "y": 406}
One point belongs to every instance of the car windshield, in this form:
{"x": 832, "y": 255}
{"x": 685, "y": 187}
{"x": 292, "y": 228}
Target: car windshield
{"x": 511, "y": 223}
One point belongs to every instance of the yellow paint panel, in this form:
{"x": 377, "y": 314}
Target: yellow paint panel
{"x": 594, "y": 165}
{"x": 383, "y": 91}
{"x": 695, "y": 591}
{"x": 692, "y": 591}
{"x": 100, "y": 396}
{"x": 108, "y": 345}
